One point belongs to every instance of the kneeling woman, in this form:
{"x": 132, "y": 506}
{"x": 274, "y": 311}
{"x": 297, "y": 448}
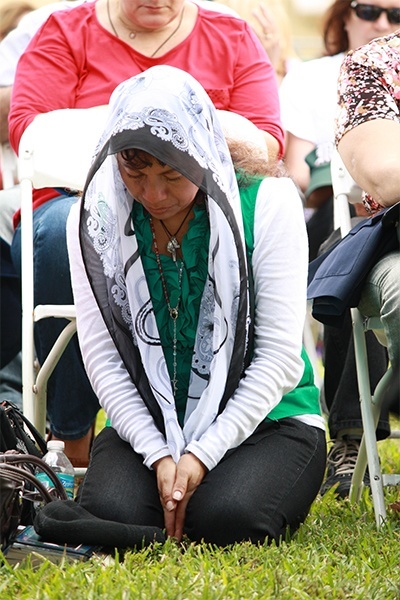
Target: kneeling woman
{"x": 191, "y": 294}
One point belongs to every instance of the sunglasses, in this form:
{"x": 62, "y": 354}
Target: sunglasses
{"x": 370, "y": 12}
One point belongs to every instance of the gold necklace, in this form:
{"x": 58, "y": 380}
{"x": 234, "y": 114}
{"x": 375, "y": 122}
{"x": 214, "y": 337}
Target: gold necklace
{"x": 173, "y": 310}
{"x": 132, "y": 34}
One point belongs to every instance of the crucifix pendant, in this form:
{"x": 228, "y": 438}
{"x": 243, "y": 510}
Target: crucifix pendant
{"x": 172, "y": 247}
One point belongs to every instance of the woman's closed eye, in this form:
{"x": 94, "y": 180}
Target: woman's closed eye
{"x": 169, "y": 177}
{"x": 174, "y": 177}
{"x": 135, "y": 176}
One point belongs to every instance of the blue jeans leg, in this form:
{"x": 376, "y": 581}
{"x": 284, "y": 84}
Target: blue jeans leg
{"x": 71, "y": 403}
{"x": 10, "y": 307}
{"x": 381, "y": 298}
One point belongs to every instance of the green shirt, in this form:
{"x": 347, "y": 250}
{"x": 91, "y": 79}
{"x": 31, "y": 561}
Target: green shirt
{"x": 304, "y": 399}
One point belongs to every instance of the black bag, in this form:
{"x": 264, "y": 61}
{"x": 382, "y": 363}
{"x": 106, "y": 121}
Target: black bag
{"x": 21, "y": 446}
{"x": 336, "y": 278}
{"x": 20, "y": 488}
{"x": 17, "y": 433}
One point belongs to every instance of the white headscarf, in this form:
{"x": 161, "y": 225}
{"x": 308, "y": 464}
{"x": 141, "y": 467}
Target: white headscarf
{"x": 167, "y": 113}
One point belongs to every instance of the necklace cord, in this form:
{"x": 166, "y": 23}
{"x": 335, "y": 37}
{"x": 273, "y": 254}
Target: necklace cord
{"x": 167, "y": 231}
{"x": 173, "y": 311}
{"x": 109, "y": 18}
{"x": 173, "y": 245}
{"x": 133, "y": 34}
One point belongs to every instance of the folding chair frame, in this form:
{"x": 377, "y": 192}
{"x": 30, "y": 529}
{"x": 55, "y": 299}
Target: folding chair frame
{"x": 55, "y": 151}
{"x": 344, "y": 188}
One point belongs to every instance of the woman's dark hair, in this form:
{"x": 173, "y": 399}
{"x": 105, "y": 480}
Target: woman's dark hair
{"x": 334, "y": 28}
{"x": 138, "y": 159}
{"x": 248, "y": 159}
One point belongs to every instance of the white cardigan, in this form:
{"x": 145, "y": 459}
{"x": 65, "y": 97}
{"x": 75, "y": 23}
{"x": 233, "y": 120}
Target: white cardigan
{"x": 280, "y": 262}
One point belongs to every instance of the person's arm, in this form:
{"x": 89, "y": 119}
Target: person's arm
{"x": 110, "y": 380}
{"x": 296, "y": 152}
{"x": 14, "y": 45}
{"x": 371, "y": 154}
{"x": 298, "y": 120}
{"x": 255, "y": 94}
{"x": 368, "y": 120}
{"x": 280, "y": 262}
{"x": 5, "y": 96}
{"x": 270, "y": 35}
{"x": 11, "y": 49}
{"x": 46, "y": 78}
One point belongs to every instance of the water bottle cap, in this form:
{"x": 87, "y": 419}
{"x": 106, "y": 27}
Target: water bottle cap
{"x": 55, "y": 445}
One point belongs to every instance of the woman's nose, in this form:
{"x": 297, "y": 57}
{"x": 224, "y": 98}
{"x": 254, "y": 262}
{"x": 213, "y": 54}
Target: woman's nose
{"x": 154, "y": 192}
{"x": 382, "y": 24}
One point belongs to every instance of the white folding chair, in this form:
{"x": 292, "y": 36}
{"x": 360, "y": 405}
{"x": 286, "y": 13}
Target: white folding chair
{"x": 55, "y": 151}
{"x": 345, "y": 189}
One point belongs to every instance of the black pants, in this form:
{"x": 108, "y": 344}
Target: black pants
{"x": 262, "y": 489}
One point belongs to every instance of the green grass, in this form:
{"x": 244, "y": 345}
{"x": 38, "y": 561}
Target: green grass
{"x": 337, "y": 554}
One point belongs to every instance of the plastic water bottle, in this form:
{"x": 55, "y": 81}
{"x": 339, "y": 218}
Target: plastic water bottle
{"x": 59, "y": 462}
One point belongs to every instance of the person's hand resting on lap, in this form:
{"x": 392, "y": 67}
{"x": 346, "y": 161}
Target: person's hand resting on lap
{"x": 176, "y": 485}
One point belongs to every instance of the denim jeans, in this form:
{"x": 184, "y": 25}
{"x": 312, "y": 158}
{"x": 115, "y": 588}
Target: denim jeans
{"x": 262, "y": 489}
{"x": 10, "y": 307}
{"x": 340, "y": 379}
{"x": 381, "y": 298}
{"x": 71, "y": 403}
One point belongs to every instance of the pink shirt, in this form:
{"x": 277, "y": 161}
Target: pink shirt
{"x": 73, "y": 62}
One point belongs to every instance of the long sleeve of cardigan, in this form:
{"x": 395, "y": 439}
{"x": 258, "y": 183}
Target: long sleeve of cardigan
{"x": 109, "y": 378}
{"x": 280, "y": 261}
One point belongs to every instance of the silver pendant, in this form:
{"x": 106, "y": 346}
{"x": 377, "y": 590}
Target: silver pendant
{"x": 173, "y": 313}
{"x": 172, "y": 247}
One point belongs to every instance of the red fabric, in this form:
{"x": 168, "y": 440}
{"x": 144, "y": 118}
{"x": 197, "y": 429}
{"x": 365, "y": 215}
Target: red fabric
{"x": 73, "y": 62}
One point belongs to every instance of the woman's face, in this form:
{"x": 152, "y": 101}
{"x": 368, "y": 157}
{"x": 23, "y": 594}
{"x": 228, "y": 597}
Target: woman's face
{"x": 162, "y": 191}
{"x": 361, "y": 32}
{"x": 151, "y": 14}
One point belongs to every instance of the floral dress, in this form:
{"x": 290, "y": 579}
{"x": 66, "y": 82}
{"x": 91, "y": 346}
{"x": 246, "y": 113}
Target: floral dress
{"x": 369, "y": 88}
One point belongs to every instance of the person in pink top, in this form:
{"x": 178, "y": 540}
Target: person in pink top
{"x": 76, "y": 60}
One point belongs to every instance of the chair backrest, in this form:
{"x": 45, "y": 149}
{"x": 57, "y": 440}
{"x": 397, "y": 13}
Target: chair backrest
{"x": 56, "y": 149}
{"x": 345, "y": 190}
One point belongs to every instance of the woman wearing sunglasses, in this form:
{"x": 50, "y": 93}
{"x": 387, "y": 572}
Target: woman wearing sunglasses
{"x": 372, "y": 12}
{"x": 308, "y": 96}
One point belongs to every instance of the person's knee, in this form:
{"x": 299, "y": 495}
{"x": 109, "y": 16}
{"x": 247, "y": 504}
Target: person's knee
{"x": 225, "y": 521}
{"x": 50, "y": 224}
{"x": 51, "y": 254}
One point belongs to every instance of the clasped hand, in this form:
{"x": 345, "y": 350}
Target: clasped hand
{"x": 176, "y": 484}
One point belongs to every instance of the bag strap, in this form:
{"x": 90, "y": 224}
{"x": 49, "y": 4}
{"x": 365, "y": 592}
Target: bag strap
{"x": 12, "y": 411}
{"x": 12, "y": 466}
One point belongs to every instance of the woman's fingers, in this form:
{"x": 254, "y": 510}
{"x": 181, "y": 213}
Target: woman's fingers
{"x": 165, "y": 469}
{"x": 189, "y": 474}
